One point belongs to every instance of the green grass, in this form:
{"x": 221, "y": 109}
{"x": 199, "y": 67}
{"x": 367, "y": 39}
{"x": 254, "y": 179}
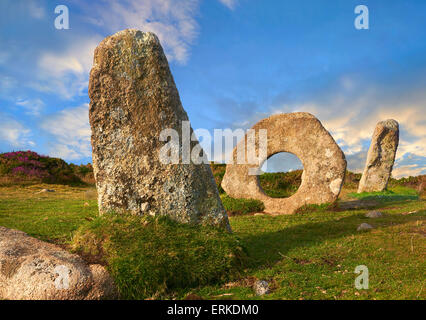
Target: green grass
{"x": 314, "y": 255}
{"x": 50, "y": 217}
{"x": 280, "y": 184}
{"x": 241, "y": 206}
{"x": 311, "y": 255}
{"x": 397, "y": 193}
{"x": 156, "y": 257}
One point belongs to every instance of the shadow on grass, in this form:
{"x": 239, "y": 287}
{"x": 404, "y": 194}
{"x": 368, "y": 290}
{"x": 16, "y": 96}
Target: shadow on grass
{"x": 266, "y": 249}
{"x": 376, "y": 201}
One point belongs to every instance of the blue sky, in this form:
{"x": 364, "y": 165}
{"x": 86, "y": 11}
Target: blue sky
{"x": 234, "y": 63}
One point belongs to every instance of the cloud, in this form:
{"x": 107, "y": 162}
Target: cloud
{"x": 409, "y": 170}
{"x": 231, "y": 4}
{"x": 64, "y": 59}
{"x": 13, "y": 133}
{"x": 32, "y": 106}
{"x": 66, "y": 72}
{"x": 35, "y": 10}
{"x": 70, "y": 130}
{"x": 351, "y": 109}
{"x": 173, "y": 21}
{"x": 409, "y": 165}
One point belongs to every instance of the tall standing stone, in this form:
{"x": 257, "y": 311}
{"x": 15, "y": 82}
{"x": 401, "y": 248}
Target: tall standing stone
{"x": 133, "y": 98}
{"x": 380, "y": 157}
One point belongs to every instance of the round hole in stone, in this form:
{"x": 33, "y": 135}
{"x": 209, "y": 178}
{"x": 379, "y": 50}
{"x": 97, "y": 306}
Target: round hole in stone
{"x": 282, "y": 175}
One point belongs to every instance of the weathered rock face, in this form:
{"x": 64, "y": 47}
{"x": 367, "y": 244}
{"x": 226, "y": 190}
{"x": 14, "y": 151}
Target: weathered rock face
{"x": 133, "y": 98}
{"x": 303, "y": 135}
{"x": 380, "y": 157}
{"x": 31, "y": 269}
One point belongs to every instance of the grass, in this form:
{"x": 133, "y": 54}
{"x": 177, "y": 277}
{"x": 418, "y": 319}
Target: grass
{"x": 397, "y": 193}
{"x": 314, "y": 255}
{"x": 241, "y": 206}
{"x": 156, "y": 257}
{"x": 50, "y": 217}
{"x": 311, "y": 255}
{"x": 280, "y": 184}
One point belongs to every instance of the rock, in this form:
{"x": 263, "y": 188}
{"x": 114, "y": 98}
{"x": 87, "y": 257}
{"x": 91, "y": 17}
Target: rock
{"x": 133, "y": 99}
{"x": 303, "y": 135}
{"x": 45, "y": 190}
{"x": 261, "y": 287}
{"x": 31, "y": 269}
{"x": 374, "y": 214}
{"x": 421, "y": 188}
{"x": 364, "y": 226}
{"x": 380, "y": 157}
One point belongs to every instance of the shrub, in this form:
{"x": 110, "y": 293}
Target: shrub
{"x": 158, "y": 257}
{"x": 30, "y": 167}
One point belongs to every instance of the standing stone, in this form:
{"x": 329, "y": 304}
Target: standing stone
{"x": 133, "y": 98}
{"x": 380, "y": 157}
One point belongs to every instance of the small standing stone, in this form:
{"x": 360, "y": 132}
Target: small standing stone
{"x": 364, "y": 226}
{"x": 380, "y": 157}
{"x": 261, "y": 287}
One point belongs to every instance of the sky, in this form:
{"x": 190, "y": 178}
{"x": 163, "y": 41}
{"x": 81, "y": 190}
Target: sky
{"x": 234, "y": 62}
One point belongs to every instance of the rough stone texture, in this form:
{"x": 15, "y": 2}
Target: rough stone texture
{"x": 374, "y": 214}
{"x": 133, "y": 98}
{"x": 380, "y": 157}
{"x": 261, "y": 287}
{"x": 303, "y": 135}
{"x": 364, "y": 226}
{"x": 29, "y": 271}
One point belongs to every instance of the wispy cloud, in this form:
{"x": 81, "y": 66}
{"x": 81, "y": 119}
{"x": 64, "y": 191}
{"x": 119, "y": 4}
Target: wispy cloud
{"x": 31, "y": 106}
{"x": 231, "y": 4}
{"x": 66, "y": 72}
{"x": 13, "y": 133}
{"x": 35, "y": 9}
{"x": 70, "y": 131}
{"x": 174, "y": 21}
{"x": 352, "y": 119}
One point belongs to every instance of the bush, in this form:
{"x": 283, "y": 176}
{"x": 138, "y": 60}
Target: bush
{"x": 30, "y": 167}
{"x": 159, "y": 257}
{"x": 241, "y": 206}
